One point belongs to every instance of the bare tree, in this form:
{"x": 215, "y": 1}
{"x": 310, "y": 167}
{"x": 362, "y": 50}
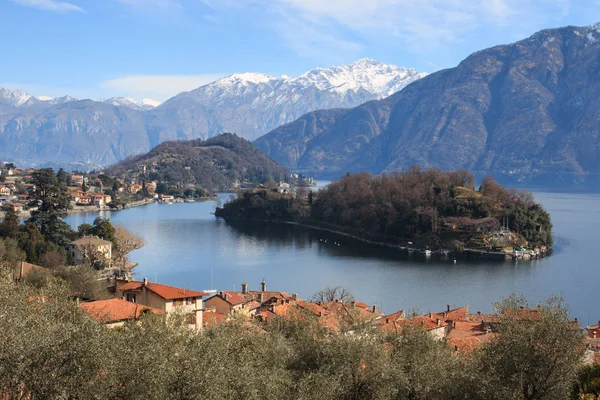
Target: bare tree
{"x": 52, "y": 259}
{"x": 332, "y": 294}
{"x": 126, "y": 242}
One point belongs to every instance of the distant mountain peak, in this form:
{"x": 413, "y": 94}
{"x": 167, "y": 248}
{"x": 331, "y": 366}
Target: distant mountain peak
{"x": 251, "y": 77}
{"x": 13, "y": 98}
{"x": 130, "y": 102}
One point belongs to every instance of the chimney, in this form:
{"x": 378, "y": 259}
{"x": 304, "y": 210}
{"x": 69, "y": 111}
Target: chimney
{"x": 438, "y": 322}
{"x": 145, "y": 281}
{"x": 448, "y": 307}
{"x": 263, "y": 286}
{"x": 374, "y": 308}
{"x": 244, "y": 288}
{"x": 261, "y": 298}
{"x": 353, "y": 304}
{"x": 295, "y": 296}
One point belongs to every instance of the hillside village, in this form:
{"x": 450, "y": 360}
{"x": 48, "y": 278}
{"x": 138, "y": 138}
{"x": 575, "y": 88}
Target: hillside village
{"x": 333, "y": 308}
{"x": 88, "y": 192}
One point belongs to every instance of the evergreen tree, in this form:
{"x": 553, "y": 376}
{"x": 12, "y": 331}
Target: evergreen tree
{"x": 10, "y": 225}
{"x": 64, "y": 177}
{"x": 52, "y": 201}
{"x": 84, "y": 187}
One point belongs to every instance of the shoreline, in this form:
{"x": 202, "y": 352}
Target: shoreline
{"x": 466, "y": 253}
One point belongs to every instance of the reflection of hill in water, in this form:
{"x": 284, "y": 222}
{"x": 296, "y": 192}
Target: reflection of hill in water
{"x": 285, "y": 235}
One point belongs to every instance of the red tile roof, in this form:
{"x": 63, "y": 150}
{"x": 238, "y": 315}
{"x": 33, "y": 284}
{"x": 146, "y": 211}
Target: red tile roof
{"x": 164, "y": 291}
{"x": 468, "y": 344}
{"x": 116, "y": 310}
{"x": 210, "y": 319}
{"x": 234, "y": 298}
{"x": 457, "y": 314}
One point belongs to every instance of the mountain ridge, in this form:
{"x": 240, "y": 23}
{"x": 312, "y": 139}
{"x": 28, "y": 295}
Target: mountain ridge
{"x": 522, "y": 111}
{"x": 250, "y": 104}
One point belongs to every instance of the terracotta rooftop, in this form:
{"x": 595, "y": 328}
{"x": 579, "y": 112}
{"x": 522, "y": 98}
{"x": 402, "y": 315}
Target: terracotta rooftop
{"x": 210, "y": 319}
{"x": 116, "y": 310}
{"x": 90, "y": 240}
{"x": 468, "y": 344}
{"x": 164, "y": 291}
{"x": 457, "y": 314}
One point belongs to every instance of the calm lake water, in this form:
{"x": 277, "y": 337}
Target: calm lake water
{"x": 186, "y": 246}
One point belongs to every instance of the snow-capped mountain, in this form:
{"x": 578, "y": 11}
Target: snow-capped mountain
{"x": 145, "y": 104}
{"x": 13, "y": 98}
{"x": 248, "y": 104}
{"x": 252, "y": 104}
{"x": 16, "y": 99}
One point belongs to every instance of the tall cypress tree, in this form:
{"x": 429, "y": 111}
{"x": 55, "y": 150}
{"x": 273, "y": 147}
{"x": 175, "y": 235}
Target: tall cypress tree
{"x": 52, "y": 201}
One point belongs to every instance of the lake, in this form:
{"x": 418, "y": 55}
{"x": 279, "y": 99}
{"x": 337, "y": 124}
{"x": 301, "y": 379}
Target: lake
{"x": 186, "y": 246}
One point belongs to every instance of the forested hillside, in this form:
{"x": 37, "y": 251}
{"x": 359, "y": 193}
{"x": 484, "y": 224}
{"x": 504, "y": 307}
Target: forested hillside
{"x": 220, "y": 163}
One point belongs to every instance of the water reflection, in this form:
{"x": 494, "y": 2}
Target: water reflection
{"x": 186, "y": 245}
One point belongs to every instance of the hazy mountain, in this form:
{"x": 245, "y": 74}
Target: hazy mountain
{"x": 63, "y": 130}
{"x": 525, "y": 112}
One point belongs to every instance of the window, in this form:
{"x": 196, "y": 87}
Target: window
{"x": 131, "y": 297}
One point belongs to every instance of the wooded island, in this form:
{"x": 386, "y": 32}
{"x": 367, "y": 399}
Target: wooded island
{"x": 422, "y": 209}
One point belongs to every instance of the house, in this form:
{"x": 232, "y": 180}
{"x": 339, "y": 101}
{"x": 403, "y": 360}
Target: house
{"x": 133, "y": 189}
{"x": 16, "y": 207}
{"x": 116, "y": 312}
{"x": 5, "y": 191}
{"x": 84, "y": 199}
{"x": 90, "y": 248}
{"x": 101, "y": 200}
{"x": 166, "y": 198}
{"x": 169, "y": 299}
{"x": 246, "y": 301}
{"x": 284, "y": 188}
{"x": 593, "y": 331}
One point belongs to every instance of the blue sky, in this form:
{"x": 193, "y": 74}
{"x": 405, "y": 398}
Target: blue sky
{"x": 157, "y": 48}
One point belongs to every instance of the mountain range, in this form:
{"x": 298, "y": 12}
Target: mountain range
{"x": 526, "y": 112}
{"x": 67, "y": 130}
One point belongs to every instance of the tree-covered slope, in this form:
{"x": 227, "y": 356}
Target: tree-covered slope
{"x": 219, "y": 163}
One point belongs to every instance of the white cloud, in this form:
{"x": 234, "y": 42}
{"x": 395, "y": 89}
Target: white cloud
{"x": 159, "y": 87}
{"x": 323, "y": 29}
{"x": 50, "y": 5}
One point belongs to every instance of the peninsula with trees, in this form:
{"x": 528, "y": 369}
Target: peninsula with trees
{"x": 198, "y": 168}
{"x": 425, "y": 210}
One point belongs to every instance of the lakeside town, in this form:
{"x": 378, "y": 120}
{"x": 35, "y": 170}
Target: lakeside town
{"x": 333, "y": 308}
{"x": 93, "y": 192}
